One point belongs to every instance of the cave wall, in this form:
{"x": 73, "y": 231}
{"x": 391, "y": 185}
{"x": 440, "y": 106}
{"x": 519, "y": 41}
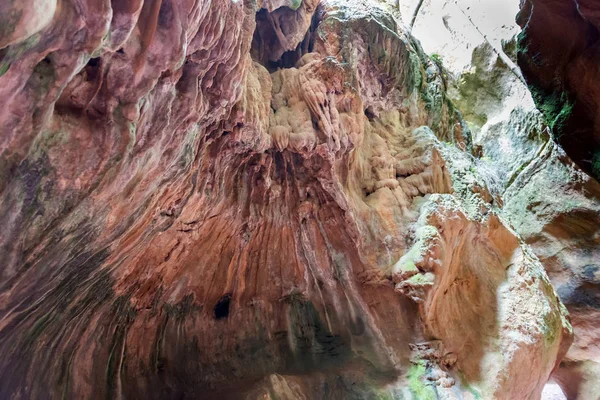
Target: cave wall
{"x": 558, "y": 53}
{"x": 559, "y": 56}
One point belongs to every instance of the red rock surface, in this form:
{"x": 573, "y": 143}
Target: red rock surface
{"x": 220, "y": 199}
{"x": 559, "y": 55}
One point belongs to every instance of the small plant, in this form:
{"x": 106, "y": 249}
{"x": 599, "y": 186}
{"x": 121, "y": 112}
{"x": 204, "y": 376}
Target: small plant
{"x": 296, "y": 4}
{"x": 436, "y": 58}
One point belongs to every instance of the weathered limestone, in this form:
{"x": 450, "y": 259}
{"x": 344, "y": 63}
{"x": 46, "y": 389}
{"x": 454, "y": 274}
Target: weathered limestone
{"x": 548, "y": 200}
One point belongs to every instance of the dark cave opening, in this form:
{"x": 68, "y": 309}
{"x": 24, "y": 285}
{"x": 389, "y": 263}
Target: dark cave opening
{"x": 266, "y": 46}
{"x": 369, "y": 113}
{"x": 221, "y": 310}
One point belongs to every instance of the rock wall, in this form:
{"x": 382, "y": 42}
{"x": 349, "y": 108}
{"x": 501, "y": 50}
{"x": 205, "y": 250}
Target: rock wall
{"x": 560, "y": 65}
{"x": 246, "y": 200}
{"x": 546, "y": 197}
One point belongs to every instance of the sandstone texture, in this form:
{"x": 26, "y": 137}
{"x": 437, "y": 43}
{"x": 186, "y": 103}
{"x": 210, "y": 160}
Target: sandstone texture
{"x": 275, "y": 200}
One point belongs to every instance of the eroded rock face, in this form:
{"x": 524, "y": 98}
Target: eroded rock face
{"x": 564, "y": 232}
{"x": 549, "y": 201}
{"x": 224, "y": 199}
{"x": 561, "y": 67}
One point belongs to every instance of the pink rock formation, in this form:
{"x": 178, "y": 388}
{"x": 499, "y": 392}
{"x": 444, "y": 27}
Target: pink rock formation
{"x": 235, "y": 200}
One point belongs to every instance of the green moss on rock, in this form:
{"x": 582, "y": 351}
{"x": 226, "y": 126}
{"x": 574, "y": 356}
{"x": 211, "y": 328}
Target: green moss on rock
{"x": 416, "y": 383}
{"x": 550, "y": 328}
{"x": 436, "y": 58}
{"x": 408, "y": 267}
{"x": 421, "y": 279}
{"x": 556, "y": 107}
{"x": 296, "y": 4}
{"x": 4, "y": 68}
